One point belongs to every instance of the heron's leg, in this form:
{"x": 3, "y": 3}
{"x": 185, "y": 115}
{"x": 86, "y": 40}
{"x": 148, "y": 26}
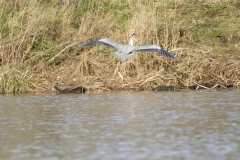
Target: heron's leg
{"x": 116, "y": 70}
{"x": 124, "y": 67}
{"x": 120, "y": 75}
{"x": 117, "y": 66}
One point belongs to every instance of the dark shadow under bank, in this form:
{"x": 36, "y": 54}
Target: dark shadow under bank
{"x": 197, "y": 87}
{"x": 68, "y": 89}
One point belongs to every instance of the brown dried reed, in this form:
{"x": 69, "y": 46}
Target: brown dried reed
{"x": 38, "y": 47}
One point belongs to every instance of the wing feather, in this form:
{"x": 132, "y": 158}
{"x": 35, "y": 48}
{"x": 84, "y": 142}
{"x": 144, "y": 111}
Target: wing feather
{"x": 154, "y": 48}
{"x": 106, "y": 42}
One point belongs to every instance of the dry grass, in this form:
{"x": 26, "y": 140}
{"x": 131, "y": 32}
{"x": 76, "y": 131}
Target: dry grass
{"x": 38, "y": 38}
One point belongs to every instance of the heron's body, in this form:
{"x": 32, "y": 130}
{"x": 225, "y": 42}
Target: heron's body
{"x": 125, "y": 52}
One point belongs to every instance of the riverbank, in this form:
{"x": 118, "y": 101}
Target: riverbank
{"x": 38, "y": 44}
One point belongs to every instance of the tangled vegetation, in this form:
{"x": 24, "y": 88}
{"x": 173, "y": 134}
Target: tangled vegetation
{"x": 38, "y": 43}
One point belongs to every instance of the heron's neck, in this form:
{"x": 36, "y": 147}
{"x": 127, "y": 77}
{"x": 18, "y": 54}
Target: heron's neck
{"x": 131, "y": 41}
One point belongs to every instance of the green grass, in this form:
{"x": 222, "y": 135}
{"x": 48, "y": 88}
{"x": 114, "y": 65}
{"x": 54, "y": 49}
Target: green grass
{"x": 14, "y": 81}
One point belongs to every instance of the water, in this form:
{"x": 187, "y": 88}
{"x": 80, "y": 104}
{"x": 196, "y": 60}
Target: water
{"x": 144, "y": 125}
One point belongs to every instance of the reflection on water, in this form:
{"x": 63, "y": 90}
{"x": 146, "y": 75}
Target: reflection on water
{"x": 145, "y": 125}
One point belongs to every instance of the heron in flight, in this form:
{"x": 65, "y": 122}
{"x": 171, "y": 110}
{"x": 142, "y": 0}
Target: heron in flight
{"x": 125, "y": 52}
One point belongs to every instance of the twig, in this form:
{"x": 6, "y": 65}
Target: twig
{"x": 148, "y": 80}
{"x": 214, "y": 86}
{"x": 236, "y": 84}
{"x": 57, "y": 54}
{"x": 200, "y": 86}
{"x": 61, "y": 3}
{"x": 223, "y": 86}
{"x": 197, "y": 87}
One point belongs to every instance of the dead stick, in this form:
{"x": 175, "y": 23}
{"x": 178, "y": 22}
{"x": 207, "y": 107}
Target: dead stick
{"x": 57, "y": 55}
{"x": 201, "y": 86}
{"x": 214, "y": 86}
{"x": 197, "y": 87}
{"x": 223, "y": 86}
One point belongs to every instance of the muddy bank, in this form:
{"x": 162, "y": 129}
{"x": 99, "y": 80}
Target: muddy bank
{"x": 205, "y": 87}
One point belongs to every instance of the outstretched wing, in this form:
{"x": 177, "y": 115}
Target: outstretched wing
{"x": 154, "y": 48}
{"x": 106, "y": 42}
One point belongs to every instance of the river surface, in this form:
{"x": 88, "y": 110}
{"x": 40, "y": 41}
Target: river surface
{"x": 126, "y": 125}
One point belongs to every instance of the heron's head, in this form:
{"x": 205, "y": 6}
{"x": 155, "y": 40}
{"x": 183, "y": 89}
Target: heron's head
{"x": 133, "y": 34}
{"x": 132, "y": 38}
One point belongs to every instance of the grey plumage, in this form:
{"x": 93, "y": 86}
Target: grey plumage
{"x": 125, "y": 52}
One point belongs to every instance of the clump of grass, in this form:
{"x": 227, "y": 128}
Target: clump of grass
{"x": 15, "y": 81}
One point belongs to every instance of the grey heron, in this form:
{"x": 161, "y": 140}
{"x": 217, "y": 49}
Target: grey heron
{"x": 125, "y": 52}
